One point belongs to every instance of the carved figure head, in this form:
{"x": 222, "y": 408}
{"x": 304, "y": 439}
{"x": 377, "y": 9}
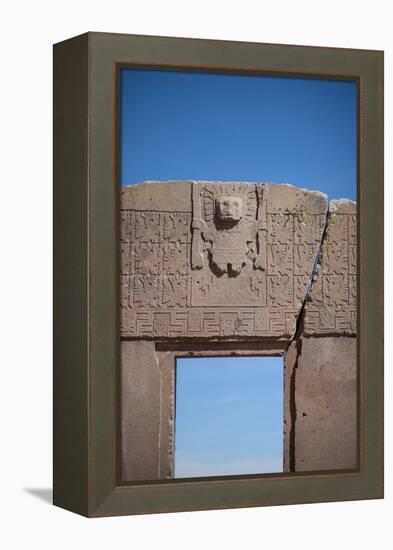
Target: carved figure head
{"x": 229, "y": 208}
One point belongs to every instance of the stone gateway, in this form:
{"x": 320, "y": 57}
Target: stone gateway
{"x": 235, "y": 268}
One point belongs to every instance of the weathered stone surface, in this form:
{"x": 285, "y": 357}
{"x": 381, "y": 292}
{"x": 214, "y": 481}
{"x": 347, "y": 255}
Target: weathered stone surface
{"x": 290, "y": 364}
{"x": 320, "y": 408}
{"x": 140, "y": 411}
{"x": 148, "y": 401}
{"x": 218, "y": 268}
{"x": 167, "y": 366}
{"x": 320, "y": 412}
{"x": 168, "y": 196}
{"x": 331, "y": 307}
{"x": 212, "y": 259}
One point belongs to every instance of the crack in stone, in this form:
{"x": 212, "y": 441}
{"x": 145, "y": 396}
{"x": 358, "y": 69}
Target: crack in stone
{"x": 314, "y": 272}
{"x": 292, "y": 362}
{"x": 293, "y": 408}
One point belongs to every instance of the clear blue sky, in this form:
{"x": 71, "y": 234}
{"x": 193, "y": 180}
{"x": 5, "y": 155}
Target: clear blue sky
{"x": 229, "y": 416}
{"x": 179, "y": 125}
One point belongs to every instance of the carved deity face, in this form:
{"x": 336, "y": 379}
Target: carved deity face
{"x": 229, "y": 208}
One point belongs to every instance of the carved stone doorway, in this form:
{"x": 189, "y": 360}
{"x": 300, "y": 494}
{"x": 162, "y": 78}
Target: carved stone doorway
{"x": 237, "y": 269}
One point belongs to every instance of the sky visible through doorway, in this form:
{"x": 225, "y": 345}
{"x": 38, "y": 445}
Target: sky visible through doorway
{"x": 229, "y": 416}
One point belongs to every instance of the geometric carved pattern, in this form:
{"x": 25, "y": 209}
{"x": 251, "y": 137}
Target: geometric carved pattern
{"x": 211, "y": 322}
{"x": 270, "y": 243}
{"x": 332, "y": 306}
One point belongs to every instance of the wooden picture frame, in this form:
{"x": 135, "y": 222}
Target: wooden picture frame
{"x": 86, "y": 271}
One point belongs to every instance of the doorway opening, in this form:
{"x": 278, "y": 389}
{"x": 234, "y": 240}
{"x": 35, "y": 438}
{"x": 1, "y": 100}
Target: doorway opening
{"x": 229, "y": 416}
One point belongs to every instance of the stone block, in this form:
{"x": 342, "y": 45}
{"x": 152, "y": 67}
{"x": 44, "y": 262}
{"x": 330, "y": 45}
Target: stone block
{"x": 321, "y": 404}
{"x": 331, "y": 307}
{"x": 233, "y": 250}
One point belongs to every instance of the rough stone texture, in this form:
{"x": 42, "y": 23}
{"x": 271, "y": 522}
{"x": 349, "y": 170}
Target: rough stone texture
{"x": 290, "y": 364}
{"x": 321, "y": 431}
{"x": 320, "y": 406}
{"x": 331, "y": 307}
{"x": 204, "y": 259}
{"x": 140, "y": 411}
{"x": 148, "y": 401}
{"x": 167, "y": 365}
{"x": 212, "y": 268}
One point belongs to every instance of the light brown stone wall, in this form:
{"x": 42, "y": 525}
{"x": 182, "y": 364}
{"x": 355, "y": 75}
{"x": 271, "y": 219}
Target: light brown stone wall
{"x": 226, "y": 268}
{"x": 190, "y": 270}
{"x": 140, "y": 414}
{"x": 321, "y": 420}
{"x": 320, "y": 365}
{"x": 332, "y": 306}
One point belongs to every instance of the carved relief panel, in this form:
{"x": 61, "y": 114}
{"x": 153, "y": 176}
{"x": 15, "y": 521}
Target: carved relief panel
{"x": 332, "y": 305}
{"x": 211, "y": 259}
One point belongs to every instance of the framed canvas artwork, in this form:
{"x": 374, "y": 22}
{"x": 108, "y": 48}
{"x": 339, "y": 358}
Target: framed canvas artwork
{"x": 218, "y": 260}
